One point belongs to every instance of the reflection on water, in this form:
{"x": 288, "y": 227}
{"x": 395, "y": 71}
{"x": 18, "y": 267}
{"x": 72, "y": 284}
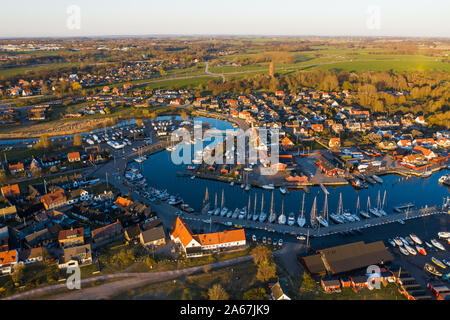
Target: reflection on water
{"x": 161, "y": 173}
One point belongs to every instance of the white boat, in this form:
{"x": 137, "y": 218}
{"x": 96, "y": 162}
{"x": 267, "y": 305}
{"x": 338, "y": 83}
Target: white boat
{"x": 235, "y": 213}
{"x": 301, "y": 219}
{"x": 405, "y": 243}
{"x": 247, "y": 187}
{"x": 374, "y": 211}
{"x": 255, "y": 214}
{"x": 262, "y": 216}
{"x": 398, "y": 242}
{"x": 140, "y": 159}
{"x": 217, "y": 212}
{"x": 410, "y": 250}
{"x": 223, "y": 212}
{"x": 404, "y": 251}
{"x": 291, "y": 219}
{"x": 338, "y": 217}
{"x": 229, "y": 213}
{"x": 377, "y": 178}
{"x": 283, "y": 190}
{"x": 416, "y": 239}
{"x": 249, "y": 213}
{"x": 232, "y": 183}
{"x": 242, "y": 213}
{"x": 282, "y": 217}
{"x": 444, "y": 179}
{"x": 268, "y": 187}
{"x": 444, "y": 235}
{"x": 430, "y": 246}
{"x": 322, "y": 221}
{"x": 437, "y": 244}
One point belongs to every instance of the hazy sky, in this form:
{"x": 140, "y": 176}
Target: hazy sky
{"x": 31, "y": 18}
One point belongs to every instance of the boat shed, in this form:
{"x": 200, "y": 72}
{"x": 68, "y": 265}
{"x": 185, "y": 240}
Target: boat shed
{"x": 347, "y": 257}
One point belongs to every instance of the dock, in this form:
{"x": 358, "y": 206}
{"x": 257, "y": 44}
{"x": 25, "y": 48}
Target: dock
{"x": 320, "y": 231}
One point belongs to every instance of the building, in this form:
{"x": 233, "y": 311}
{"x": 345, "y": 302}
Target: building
{"x": 71, "y": 237}
{"x": 197, "y": 245}
{"x": 107, "y": 233}
{"x": 11, "y": 191}
{"x": 331, "y": 285}
{"x": 76, "y": 256}
{"x": 153, "y": 237}
{"x": 122, "y": 203}
{"x": 73, "y": 157}
{"x": 334, "y": 143}
{"x": 16, "y": 168}
{"x": 8, "y": 259}
{"x": 277, "y": 292}
{"x": 54, "y": 199}
{"x": 347, "y": 257}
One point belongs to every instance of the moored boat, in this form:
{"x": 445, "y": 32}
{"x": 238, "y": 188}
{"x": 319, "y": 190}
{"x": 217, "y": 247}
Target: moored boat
{"x": 444, "y": 235}
{"x": 410, "y": 250}
{"x": 404, "y": 251}
{"x": 301, "y": 219}
{"x": 291, "y": 219}
{"x": 268, "y": 187}
{"x": 415, "y": 238}
{"x": 431, "y": 269}
{"x": 438, "y": 262}
{"x": 421, "y": 250}
{"x": 437, "y": 244}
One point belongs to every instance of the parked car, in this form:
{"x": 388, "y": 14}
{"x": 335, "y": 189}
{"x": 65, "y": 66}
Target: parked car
{"x": 264, "y": 240}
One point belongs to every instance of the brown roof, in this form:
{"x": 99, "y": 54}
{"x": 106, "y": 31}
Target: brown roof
{"x": 71, "y": 233}
{"x": 349, "y": 257}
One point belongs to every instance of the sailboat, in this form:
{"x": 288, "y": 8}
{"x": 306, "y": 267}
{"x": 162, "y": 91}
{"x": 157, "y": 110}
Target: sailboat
{"x": 375, "y": 211}
{"x": 211, "y": 212}
{"x": 323, "y": 219}
{"x": 301, "y": 219}
{"x": 365, "y": 214}
{"x": 282, "y": 217}
{"x": 224, "y": 210}
{"x": 262, "y": 215}
{"x": 312, "y": 215}
{"x": 249, "y": 213}
{"x": 255, "y": 214}
{"x": 272, "y": 215}
{"x": 337, "y": 217}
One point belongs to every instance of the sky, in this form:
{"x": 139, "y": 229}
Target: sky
{"x": 68, "y": 18}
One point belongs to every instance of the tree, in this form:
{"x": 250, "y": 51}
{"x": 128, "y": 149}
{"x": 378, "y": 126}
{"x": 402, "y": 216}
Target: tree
{"x": 183, "y": 115}
{"x": 217, "y": 292}
{"x": 255, "y": 294}
{"x": 77, "y": 140}
{"x": 44, "y": 142}
{"x": 261, "y": 254}
{"x": 18, "y": 274}
{"x": 266, "y": 271}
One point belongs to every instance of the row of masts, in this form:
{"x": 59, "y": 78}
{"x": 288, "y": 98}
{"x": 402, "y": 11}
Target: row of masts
{"x": 315, "y": 219}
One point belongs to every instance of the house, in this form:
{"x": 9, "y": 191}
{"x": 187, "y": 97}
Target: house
{"x": 76, "y": 256}
{"x": 4, "y": 238}
{"x": 78, "y": 195}
{"x": 428, "y": 154}
{"x": 404, "y": 143}
{"x": 8, "y": 259}
{"x": 346, "y": 282}
{"x": 132, "y": 232}
{"x": 11, "y": 191}
{"x": 331, "y": 285}
{"x": 153, "y": 237}
{"x": 16, "y": 168}
{"x": 33, "y": 255}
{"x": 73, "y": 157}
{"x": 122, "y": 203}
{"x": 443, "y": 142}
{"x": 359, "y": 282}
{"x": 286, "y": 143}
{"x": 277, "y": 292}
{"x": 54, "y": 199}
{"x": 420, "y": 120}
{"x": 327, "y": 168}
{"x": 317, "y": 127}
{"x": 196, "y": 245}
{"x": 8, "y": 211}
{"x": 107, "y": 233}
{"x": 334, "y": 143}
{"x": 71, "y": 237}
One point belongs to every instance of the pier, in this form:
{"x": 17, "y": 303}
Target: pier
{"x": 319, "y": 231}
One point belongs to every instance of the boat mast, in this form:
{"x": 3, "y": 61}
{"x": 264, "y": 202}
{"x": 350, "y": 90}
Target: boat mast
{"x": 357, "y": 205}
{"x": 223, "y": 199}
{"x": 368, "y": 203}
{"x": 303, "y": 203}
{"x": 254, "y": 207}
{"x": 313, "y": 212}
{"x": 325, "y": 207}
{"x": 384, "y": 199}
{"x": 340, "y": 204}
{"x": 378, "y": 200}
{"x": 271, "y": 206}
{"x": 262, "y": 202}
{"x": 248, "y": 205}
{"x": 215, "y": 200}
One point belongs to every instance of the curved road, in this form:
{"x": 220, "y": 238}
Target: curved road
{"x": 133, "y": 280}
